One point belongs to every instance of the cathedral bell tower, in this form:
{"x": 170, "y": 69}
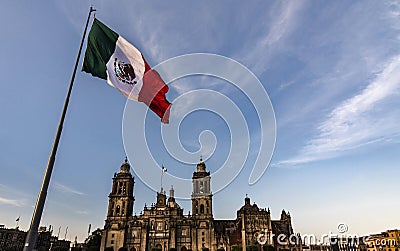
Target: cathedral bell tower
{"x": 120, "y": 207}
{"x": 120, "y": 203}
{"x": 201, "y": 195}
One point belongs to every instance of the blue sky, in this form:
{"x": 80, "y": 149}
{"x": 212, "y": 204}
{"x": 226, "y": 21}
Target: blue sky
{"x": 331, "y": 69}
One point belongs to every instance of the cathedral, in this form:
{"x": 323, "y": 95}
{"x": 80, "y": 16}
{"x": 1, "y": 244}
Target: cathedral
{"x": 164, "y": 227}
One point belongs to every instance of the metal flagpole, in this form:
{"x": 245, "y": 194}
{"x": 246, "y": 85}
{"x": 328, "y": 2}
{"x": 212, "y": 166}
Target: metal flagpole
{"x": 66, "y": 231}
{"x": 88, "y": 232}
{"x": 162, "y": 172}
{"x": 37, "y": 213}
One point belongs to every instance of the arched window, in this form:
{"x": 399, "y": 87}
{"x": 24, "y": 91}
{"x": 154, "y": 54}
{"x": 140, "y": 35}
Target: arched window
{"x": 183, "y": 248}
{"x": 114, "y": 187}
{"x": 117, "y": 211}
{"x": 119, "y": 187}
{"x": 133, "y": 249}
{"x": 112, "y": 208}
{"x": 152, "y": 225}
{"x": 166, "y": 225}
{"x": 202, "y": 209}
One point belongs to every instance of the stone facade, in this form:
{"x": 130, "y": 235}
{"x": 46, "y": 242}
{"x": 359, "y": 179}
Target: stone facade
{"x": 11, "y": 239}
{"x": 14, "y": 239}
{"x": 163, "y": 226}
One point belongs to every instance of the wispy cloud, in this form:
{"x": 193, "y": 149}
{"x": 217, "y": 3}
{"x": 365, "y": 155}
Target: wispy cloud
{"x": 368, "y": 117}
{"x": 82, "y": 212}
{"x": 66, "y": 189}
{"x": 283, "y": 21}
{"x": 14, "y": 193}
{"x": 17, "y": 203}
{"x": 337, "y": 54}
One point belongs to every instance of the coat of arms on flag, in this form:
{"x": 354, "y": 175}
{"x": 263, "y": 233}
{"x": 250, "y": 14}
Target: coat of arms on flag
{"x": 109, "y": 56}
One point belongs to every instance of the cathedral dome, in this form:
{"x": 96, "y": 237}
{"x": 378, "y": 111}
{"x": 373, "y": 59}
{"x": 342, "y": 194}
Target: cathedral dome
{"x": 201, "y": 166}
{"x": 125, "y": 167}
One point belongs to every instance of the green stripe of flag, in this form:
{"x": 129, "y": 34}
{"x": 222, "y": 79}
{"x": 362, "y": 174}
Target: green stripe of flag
{"x": 100, "y": 46}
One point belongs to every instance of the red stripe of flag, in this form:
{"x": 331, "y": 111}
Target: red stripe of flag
{"x": 153, "y": 93}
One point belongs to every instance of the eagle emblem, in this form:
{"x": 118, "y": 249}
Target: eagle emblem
{"x": 124, "y": 72}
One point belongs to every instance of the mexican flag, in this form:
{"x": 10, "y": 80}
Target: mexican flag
{"x": 109, "y": 56}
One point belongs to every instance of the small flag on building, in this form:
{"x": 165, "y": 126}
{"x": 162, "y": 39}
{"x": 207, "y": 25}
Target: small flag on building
{"x": 109, "y": 56}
